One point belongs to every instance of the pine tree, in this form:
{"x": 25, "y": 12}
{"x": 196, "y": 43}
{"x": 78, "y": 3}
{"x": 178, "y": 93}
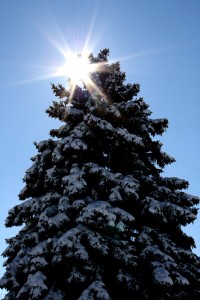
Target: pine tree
{"x": 100, "y": 221}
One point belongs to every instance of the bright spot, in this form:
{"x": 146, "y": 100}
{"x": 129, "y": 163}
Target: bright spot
{"x": 77, "y": 67}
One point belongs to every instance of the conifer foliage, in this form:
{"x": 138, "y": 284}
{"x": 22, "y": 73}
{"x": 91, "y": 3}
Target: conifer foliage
{"x": 100, "y": 221}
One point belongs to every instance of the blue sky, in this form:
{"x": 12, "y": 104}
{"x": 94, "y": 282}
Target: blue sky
{"x": 158, "y": 43}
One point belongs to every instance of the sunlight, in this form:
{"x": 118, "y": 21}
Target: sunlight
{"x": 74, "y": 62}
{"x": 77, "y": 67}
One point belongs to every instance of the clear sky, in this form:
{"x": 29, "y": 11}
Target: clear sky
{"x": 158, "y": 43}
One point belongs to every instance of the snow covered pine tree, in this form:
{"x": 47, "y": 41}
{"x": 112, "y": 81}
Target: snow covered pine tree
{"x": 100, "y": 222}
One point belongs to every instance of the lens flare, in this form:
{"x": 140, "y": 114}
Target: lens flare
{"x": 77, "y": 67}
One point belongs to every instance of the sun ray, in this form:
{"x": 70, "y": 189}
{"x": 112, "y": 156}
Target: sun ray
{"x": 30, "y": 80}
{"x": 64, "y": 49}
{"x": 75, "y": 68}
{"x": 150, "y": 52}
{"x": 87, "y": 43}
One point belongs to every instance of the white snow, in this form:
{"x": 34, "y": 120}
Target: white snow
{"x": 95, "y": 291}
{"x": 34, "y": 287}
{"x": 162, "y": 276}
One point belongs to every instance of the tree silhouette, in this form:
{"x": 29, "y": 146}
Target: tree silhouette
{"x": 100, "y": 221}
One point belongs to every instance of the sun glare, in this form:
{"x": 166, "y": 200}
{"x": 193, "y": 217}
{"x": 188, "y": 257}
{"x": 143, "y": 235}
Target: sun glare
{"x": 77, "y": 67}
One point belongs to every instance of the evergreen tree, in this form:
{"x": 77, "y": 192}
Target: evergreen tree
{"x": 100, "y": 221}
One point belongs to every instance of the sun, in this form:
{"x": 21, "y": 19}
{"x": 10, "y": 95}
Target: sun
{"x": 78, "y": 68}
